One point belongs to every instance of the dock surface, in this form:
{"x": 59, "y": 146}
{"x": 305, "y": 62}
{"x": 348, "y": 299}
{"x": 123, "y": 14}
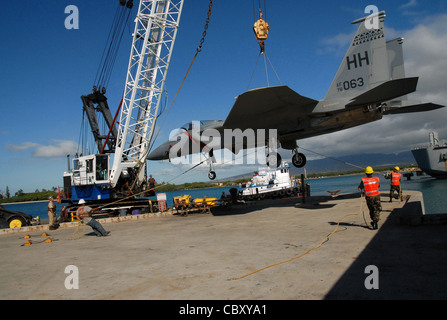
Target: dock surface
{"x": 254, "y": 254}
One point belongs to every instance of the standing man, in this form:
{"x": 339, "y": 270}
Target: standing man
{"x": 395, "y": 183}
{"x": 370, "y": 185}
{"x": 51, "y": 213}
{"x": 152, "y": 184}
{"x": 85, "y": 213}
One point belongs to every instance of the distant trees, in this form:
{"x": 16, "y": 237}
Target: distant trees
{"x": 21, "y": 196}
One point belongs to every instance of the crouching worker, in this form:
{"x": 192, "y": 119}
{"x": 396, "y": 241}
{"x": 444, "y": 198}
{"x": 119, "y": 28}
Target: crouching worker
{"x": 84, "y": 213}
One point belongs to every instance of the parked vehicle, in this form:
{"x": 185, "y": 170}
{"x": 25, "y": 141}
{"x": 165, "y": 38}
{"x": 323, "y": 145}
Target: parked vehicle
{"x": 14, "y": 219}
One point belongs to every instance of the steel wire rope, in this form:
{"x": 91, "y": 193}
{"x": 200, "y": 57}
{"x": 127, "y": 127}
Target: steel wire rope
{"x": 111, "y": 50}
{"x": 335, "y": 159}
{"x": 256, "y": 66}
{"x": 115, "y": 52}
{"x": 101, "y": 64}
{"x": 279, "y": 80}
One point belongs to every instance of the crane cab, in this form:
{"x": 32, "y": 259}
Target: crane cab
{"x": 89, "y": 178}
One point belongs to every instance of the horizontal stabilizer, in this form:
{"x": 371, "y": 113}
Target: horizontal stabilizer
{"x": 414, "y": 108}
{"x": 386, "y": 91}
{"x": 267, "y": 108}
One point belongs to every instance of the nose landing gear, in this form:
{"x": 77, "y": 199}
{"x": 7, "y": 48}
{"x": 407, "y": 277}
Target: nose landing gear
{"x": 211, "y": 160}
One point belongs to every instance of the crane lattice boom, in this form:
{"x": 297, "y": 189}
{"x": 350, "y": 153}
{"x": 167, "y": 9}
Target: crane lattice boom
{"x": 156, "y": 28}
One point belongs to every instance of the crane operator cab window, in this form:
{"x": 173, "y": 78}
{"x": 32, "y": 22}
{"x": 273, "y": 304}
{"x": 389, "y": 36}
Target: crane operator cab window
{"x": 102, "y": 167}
{"x": 91, "y": 169}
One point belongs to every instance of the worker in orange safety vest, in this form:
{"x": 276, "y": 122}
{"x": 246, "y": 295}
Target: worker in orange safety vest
{"x": 395, "y": 183}
{"x": 370, "y": 186}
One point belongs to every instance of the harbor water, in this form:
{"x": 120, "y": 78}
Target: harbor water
{"x": 433, "y": 190}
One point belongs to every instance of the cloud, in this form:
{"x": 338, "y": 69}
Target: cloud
{"x": 425, "y": 57}
{"x": 22, "y": 147}
{"x": 335, "y": 45}
{"x": 57, "y": 148}
{"x": 410, "y": 4}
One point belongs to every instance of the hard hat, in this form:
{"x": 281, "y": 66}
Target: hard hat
{"x": 396, "y": 168}
{"x": 369, "y": 170}
{"x": 82, "y": 201}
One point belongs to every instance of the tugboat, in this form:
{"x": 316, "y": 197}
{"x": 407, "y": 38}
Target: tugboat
{"x": 265, "y": 184}
{"x": 271, "y": 183}
{"x": 432, "y": 159}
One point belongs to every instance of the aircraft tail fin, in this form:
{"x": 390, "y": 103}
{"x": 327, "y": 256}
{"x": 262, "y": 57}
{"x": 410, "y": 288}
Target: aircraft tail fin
{"x": 365, "y": 64}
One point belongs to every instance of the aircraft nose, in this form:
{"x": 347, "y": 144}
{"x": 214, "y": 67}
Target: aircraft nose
{"x": 161, "y": 153}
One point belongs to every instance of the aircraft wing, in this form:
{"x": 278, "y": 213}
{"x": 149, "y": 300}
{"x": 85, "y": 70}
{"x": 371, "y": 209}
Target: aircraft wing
{"x": 268, "y": 108}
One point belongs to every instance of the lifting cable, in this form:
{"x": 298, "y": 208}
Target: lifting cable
{"x": 266, "y": 58}
{"x": 261, "y": 30}
{"x": 111, "y": 49}
{"x": 332, "y": 158}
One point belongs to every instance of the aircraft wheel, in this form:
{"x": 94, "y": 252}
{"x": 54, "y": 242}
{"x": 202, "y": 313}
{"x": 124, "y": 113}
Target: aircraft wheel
{"x": 211, "y": 175}
{"x": 273, "y": 160}
{"x": 299, "y": 160}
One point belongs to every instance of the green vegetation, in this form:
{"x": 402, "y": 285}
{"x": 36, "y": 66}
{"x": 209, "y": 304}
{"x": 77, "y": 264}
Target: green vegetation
{"x": 353, "y": 172}
{"x": 196, "y": 185}
{"x": 20, "y": 196}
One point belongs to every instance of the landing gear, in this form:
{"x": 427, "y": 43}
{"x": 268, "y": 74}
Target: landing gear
{"x": 298, "y": 159}
{"x": 211, "y": 159}
{"x": 211, "y": 175}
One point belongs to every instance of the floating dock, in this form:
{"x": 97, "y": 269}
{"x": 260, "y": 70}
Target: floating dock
{"x": 315, "y": 250}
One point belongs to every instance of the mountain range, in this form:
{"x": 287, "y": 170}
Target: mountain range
{"x": 346, "y": 163}
{"x": 353, "y": 162}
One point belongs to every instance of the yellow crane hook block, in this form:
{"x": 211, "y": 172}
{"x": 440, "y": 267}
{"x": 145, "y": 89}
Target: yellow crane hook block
{"x": 261, "y": 28}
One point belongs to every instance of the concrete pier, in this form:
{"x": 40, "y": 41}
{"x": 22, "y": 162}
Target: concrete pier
{"x": 253, "y": 254}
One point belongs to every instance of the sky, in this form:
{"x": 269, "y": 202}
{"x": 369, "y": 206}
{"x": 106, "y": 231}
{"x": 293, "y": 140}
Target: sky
{"x": 45, "y": 68}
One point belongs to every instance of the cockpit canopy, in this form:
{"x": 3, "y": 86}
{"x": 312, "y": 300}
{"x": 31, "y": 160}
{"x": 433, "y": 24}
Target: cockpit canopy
{"x": 188, "y": 126}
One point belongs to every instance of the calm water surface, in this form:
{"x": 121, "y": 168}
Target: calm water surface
{"x": 434, "y": 192}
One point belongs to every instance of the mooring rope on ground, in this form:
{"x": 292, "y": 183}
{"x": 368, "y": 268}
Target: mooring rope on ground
{"x": 361, "y": 211}
{"x": 301, "y": 255}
